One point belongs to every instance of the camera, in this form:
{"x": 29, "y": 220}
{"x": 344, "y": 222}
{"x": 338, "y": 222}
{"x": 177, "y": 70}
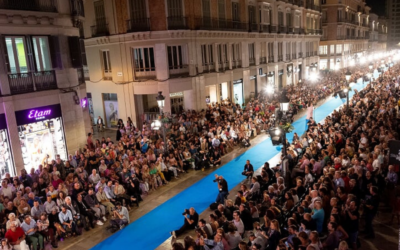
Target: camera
{"x": 185, "y": 212}
{"x": 216, "y": 180}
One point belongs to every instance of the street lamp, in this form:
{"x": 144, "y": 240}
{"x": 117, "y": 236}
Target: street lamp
{"x": 348, "y": 76}
{"x": 284, "y": 106}
{"x": 160, "y": 101}
{"x": 346, "y": 90}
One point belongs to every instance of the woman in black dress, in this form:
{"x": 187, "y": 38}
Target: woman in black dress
{"x": 120, "y": 126}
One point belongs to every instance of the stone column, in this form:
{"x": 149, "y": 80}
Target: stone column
{"x": 13, "y": 134}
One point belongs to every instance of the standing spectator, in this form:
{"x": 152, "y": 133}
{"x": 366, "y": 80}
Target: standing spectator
{"x": 371, "y": 208}
{"x": 332, "y": 242}
{"x": 352, "y": 221}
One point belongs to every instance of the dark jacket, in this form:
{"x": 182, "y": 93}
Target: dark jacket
{"x": 91, "y": 200}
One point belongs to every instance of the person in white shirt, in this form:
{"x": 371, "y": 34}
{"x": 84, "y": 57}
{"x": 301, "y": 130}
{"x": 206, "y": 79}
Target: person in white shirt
{"x": 7, "y": 190}
{"x": 238, "y": 222}
{"x": 102, "y": 167}
{"x": 94, "y": 177}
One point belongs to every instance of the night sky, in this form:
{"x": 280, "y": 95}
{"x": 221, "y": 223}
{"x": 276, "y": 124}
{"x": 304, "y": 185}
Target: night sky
{"x": 377, "y": 6}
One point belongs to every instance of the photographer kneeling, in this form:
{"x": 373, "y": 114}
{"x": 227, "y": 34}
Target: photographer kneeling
{"x": 120, "y": 217}
{"x": 223, "y": 189}
{"x": 190, "y": 222}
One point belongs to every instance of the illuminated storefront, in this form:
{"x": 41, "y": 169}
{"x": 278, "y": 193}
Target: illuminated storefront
{"x": 41, "y": 135}
{"x": 6, "y": 159}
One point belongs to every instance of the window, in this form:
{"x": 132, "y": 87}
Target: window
{"x": 294, "y": 49}
{"x": 332, "y": 49}
{"x": 222, "y": 53}
{"x": 280, "y": 52}
{"x": 236, "y": 52}
{"x": 105, "y": 56}
{"x": 297, "y": 21}
{"x": 99, "y": 12}
{"x": 252, "y": 14}
{"x": 17, "y": 59}
{"x": 235, "y": 11}
{"x": 206, "y": 8}
{"x": 207, "y": 56}
{"x": 175, "y": 57}
{"x": 42, "y": 53}
{"x": 251, "y": 54}
{"x": 175, "y": 8}
{"x": 221, "y": 9}
{"x": 264, "y": 15}
{"x": 144, "y": 59}
{"x": 280, "y": 18}
{"x": 289, "y": 19}
{"x": 271, "y": 52}
{"x": 288, "y": 47}
{"x": 138, "y": 9}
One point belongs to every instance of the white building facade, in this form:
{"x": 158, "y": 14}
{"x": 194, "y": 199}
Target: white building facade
{"x": 41, "y": 115}
{"x": 210, "y": 52}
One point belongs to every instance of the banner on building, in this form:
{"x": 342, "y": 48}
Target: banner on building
{"x": 111, "y": 109}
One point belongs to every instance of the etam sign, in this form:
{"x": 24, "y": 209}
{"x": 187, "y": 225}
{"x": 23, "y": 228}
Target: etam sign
{"x": 38, "y": 114}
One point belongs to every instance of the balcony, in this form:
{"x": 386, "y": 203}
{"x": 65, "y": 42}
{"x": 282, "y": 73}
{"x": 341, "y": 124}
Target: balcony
{"x": 287, "y": 57}
{"x": 236, "y": 64}
{"x": 280, "y": 58}
{"x": 100, "y": 29}
{"x": 271, "y": 59}
{"x": 223, "y": 66}
{"x": 281, "y": 29}
{"x": 81, "y": 75}
{"x": 179, "y": 70}
{"x": 177, "y": 23}
{"x": 210, "y": 67}
{"x": 138, "y": 25}
{"x": 32, "y": 81}
{"x": 263, "y": 60}
{"x": 290, "y": 30}
{"x": 253, "y": 27}
{"x": 30, "y": 5}
{"x": 265, "y": 28}
{"x": 309, "y": 31}
{"x": 236, "y": 25}
{"x": 294, "y": 56}
{"x": 341, "y": 37}
{"x": 272, "y": 29}
{"x": 252, "y": 61}
{"x": 300, "y": 55}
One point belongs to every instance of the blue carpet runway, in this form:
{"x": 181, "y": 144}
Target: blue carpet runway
{"x": 152, "y": 229}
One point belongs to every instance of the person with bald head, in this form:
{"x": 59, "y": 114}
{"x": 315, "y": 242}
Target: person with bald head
{"x": 314, "y": 197}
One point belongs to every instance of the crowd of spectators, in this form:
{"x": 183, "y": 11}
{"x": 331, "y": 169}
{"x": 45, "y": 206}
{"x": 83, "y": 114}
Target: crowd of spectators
{"x": 58, "y": 199}
{"x": 338, "y": 174}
